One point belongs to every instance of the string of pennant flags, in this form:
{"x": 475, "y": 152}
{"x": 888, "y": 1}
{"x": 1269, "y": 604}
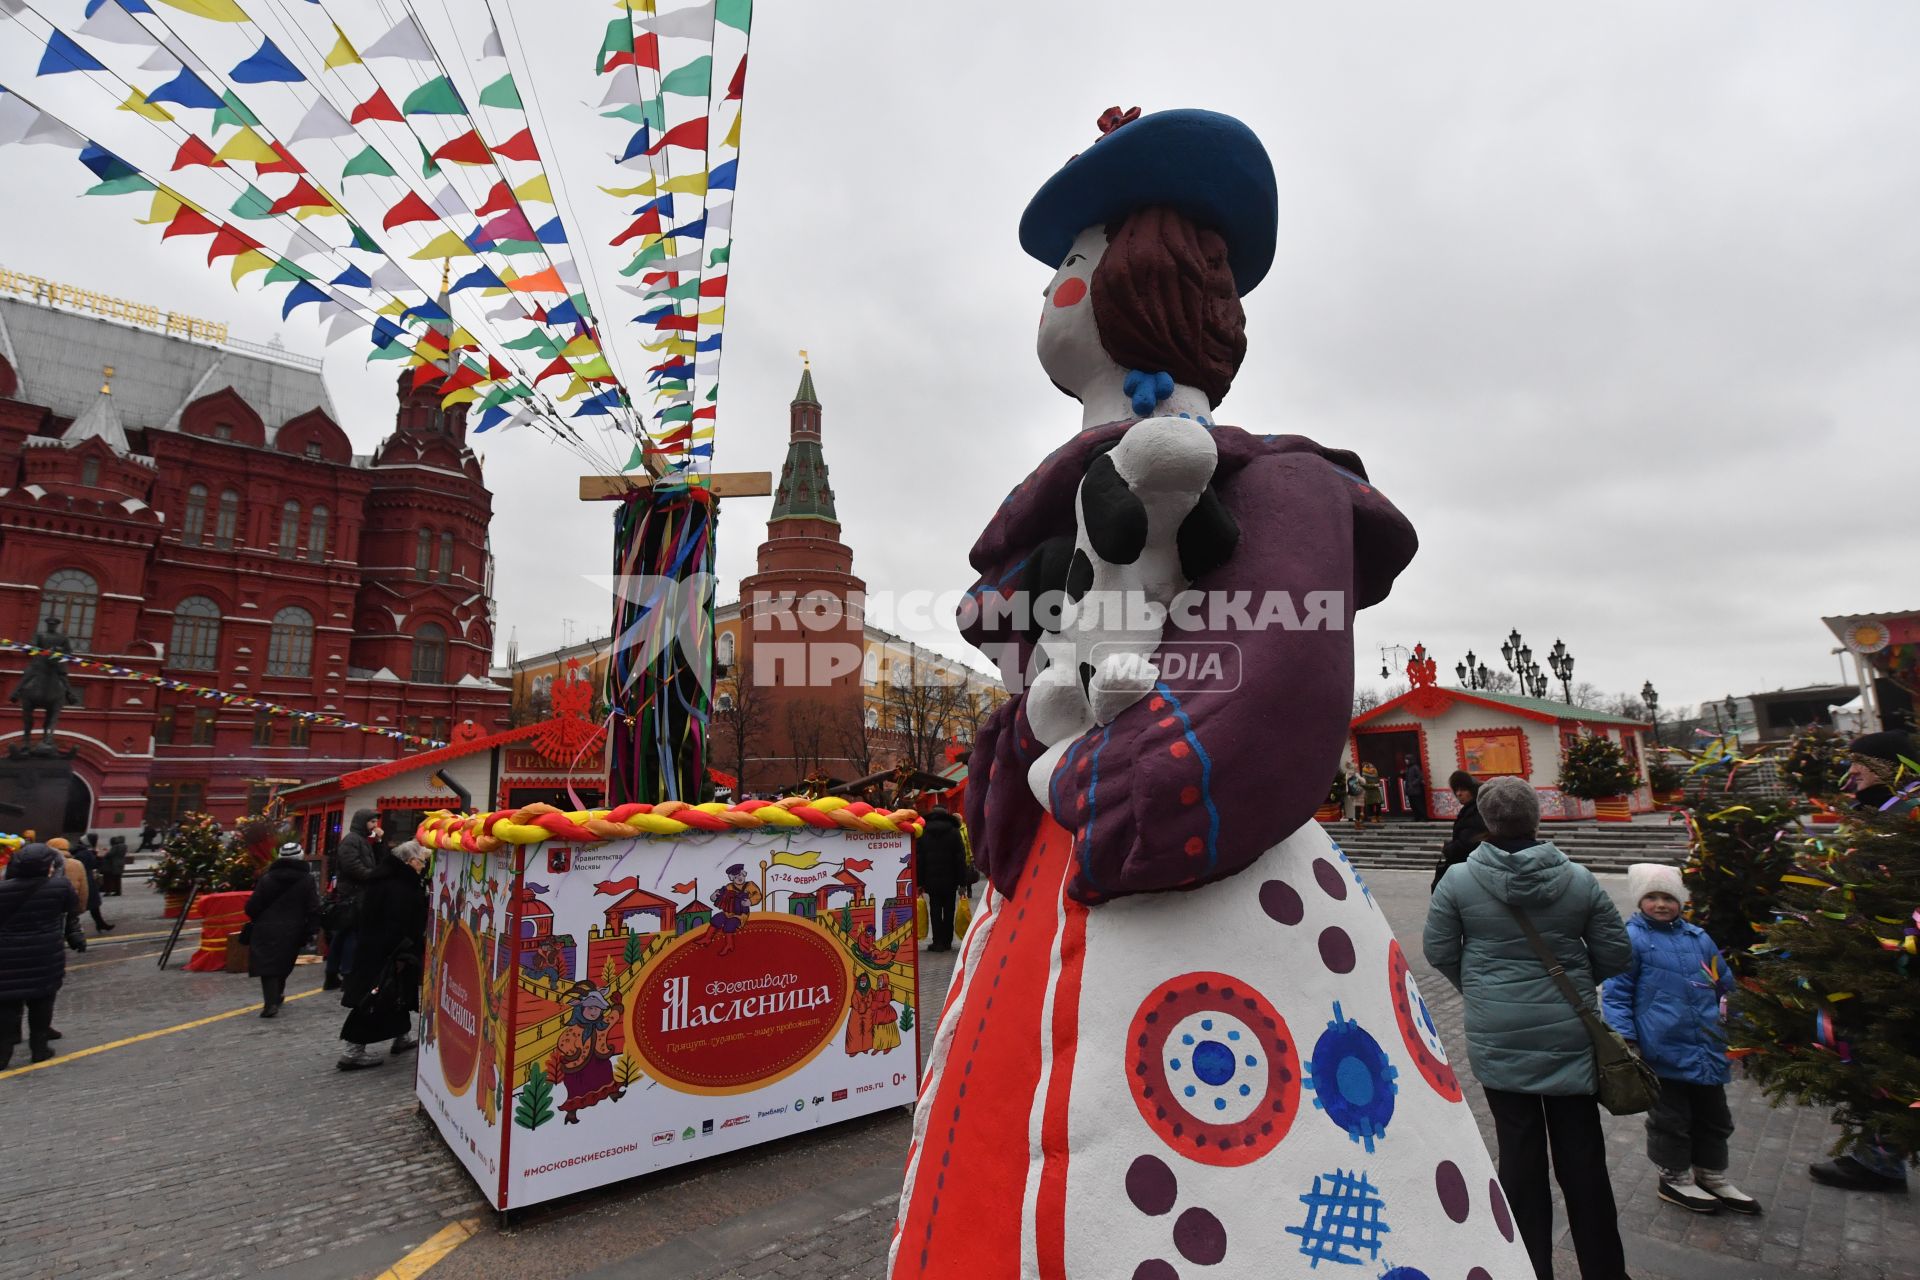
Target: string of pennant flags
{"x": 387, "y": 152}
{"x": 222, "y": 697}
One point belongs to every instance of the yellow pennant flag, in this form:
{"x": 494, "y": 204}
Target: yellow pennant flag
{"x": 214, "y": 10}
{"x": 687, "y": 184}
{"x": 461, "y": 338}
{"x": 394, "y": 308}
{"x": 644, "y": 189}
{"x": 798, "y": 861}
{"x": 580, "y": 346}
{"x": 165, "y": 205}
{"x": 328, "y": 210}
{"x": 465, "y": 395}
{"x": 577, "y": 387}
{"x": 594, "y": 368}
{"x": 716, "y": 316}
{"x": 343, "y": 54}
{"x": 704, "y": 433}
{"x": 248, "y": 146}
{"x": 427, "y": 353}
{"x": 247, "y": 263}
{"x": 733, "y": 134}
{"x": 675, "y": 345}
{"x": 137, "y": 103}
{"x": 535, "y": 188}
{"x": 636, "y": 6}
{"x": 444, "y": 245}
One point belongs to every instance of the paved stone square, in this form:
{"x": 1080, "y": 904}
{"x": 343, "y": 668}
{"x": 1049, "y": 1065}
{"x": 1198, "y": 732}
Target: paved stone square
{"x": 234, "y": 1148}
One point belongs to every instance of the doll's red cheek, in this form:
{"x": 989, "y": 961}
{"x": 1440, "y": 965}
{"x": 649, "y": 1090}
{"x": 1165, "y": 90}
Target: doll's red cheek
{"x": 1070, "y": 291}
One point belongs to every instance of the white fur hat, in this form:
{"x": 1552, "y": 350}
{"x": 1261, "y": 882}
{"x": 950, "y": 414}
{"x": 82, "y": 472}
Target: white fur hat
{"x": 1644, "y": 878}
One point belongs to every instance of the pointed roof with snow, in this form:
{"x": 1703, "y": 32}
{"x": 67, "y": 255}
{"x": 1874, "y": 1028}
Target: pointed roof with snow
{"x": 101, "y": 421}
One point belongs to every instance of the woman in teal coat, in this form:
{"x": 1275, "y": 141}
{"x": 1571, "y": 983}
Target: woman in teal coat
{"x": 1528, "y": 1047}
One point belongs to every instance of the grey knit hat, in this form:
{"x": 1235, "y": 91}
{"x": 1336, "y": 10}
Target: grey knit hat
{"x": 1510, "y": 807}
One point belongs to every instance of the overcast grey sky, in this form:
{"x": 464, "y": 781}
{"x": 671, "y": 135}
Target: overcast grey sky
{"x": 1620, "y": 304}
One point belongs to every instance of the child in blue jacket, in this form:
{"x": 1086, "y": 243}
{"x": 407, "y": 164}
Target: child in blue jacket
{"x": 1669, "y": 1003}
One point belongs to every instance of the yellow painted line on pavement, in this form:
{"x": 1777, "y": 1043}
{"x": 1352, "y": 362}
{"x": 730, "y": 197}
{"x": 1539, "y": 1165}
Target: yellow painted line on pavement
{"x": 438, "y": 1246}
{"x": 78, "y": 1054}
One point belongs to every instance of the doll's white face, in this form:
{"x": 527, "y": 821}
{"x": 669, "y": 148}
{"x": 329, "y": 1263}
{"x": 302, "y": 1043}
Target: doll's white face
{"x": 1069, "y": 343}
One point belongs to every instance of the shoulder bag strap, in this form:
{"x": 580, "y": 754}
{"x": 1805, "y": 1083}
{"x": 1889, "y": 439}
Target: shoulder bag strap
{"x": 1554, "y": 968}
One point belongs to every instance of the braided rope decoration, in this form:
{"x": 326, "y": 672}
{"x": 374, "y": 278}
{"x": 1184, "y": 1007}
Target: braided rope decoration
{"x": 490, "y": 832}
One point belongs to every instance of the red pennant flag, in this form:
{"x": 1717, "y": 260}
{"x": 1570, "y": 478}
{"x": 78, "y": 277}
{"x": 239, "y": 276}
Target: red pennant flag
{"x": 410, "y": 209}
{"x": 710, "y": 412}
{"x": 465, "y": 149}
{"x": 539, "y": 315}
{"x": 285, "y": 164}
{"x": 520, "y": 146}
{"x": 498, "y": 201}
{"x": 645, "y": 53}
{"x": 679, "y": 435}
{"x": 378, "y": 107}
{"x": 229, "y": 242}
{"x": 737, "y": 85}
{"x": 303, "y": 196}
{"x": 655, "y": 277}
{"x": 647, "y": 224}
{"x": 195, "y": 151}
{"x": 189, "y": 222}
{"x": 625, "y": 884}
{"x": 691, "y": 886}
{"x": 464, "y": 376}
{"x": 692, "y": 135}
{"x": 558, "y": 366}
{"x": 496, "y": 370}
{"x": 713, "y": 287}
{"x": 678, "y": 324}
{"x": 858, "y": 864}
{"x": 423, "y": 374}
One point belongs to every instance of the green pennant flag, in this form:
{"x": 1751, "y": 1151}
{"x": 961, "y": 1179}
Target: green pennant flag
{"x": 428, "y": 167}
{"x": 677, "y": 413}
{"x": 691, "y": 80}
{"x": 619, "y": 39}
{"x": 233, "y": 112}
{"x": 369, "y": 163}
{"x": 679, "y": 292}
{"x": 536, "y": 340}
{"x": 651, "y": 113}
{"x": 434, "y": 98}
{"x": 501, "y": 93}
{"x": 580, "y": 304}
{"x": 361, "y": 240}
{"x": 720, "y": 255}
{"x": 392, "y": 351}
{"x": 733, "y": 13}
{"x": 638, "y": 459}
{"x": 713, "y": 395}
{"x": 670, "y": 388}
{"x": 286, "y": 269}
{"x": 655, "y": 252}
{"x": 124, "y": 185}
{"x": 512, "y": 247}
{"x": 253, "y": 205}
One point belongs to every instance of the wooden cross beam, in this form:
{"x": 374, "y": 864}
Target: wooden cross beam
{"x": 725, "y": 484}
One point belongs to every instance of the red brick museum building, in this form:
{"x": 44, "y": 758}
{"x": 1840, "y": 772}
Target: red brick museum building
{"x": 198, "y": 514}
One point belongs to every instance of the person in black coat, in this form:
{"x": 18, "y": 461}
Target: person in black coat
{"x": 383, "y": 987}
{"x": 357, "y": 862}
{"x": 943, "y": 869}
{"x": 87, "y": 854}
{"x": 1469, "y": 831}
{"x": 282, "y": 914}
{"x": 113, "y": 866}
{"x": 39, "y": 917}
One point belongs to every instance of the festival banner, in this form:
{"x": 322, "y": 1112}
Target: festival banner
{"x": 596, "y": 1012}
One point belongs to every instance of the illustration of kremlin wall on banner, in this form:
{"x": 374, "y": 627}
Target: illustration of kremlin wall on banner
{"x": 596, "y": 1012}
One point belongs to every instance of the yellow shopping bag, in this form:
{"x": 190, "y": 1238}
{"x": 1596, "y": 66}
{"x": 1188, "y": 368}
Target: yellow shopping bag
{"x": 962, "y": 916}
{"x": 920, "y": 917}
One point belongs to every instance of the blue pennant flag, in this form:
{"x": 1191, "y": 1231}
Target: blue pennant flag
{"x": 565, "y": 313}
{"x": 600, "y": 404}
{"x": 492, "y": 418}
{"x": 131, "y": 6}
{"x": 663, "y": 203}
{"x": 481, "y": 277}
{"x": 267, "y": 66}
{"x": 701, "y": 451}
{"x": 64, "y": 55}
{"x": 303, "y": 291}
{"x": 655, "y": 315}
{"x": 386, "y": 332}
{"x": 353, "y": 277}
{"x": 637, "y": 145}
{"x": 188, "y": 90}
{"x": 697, "y": 229}
{"x": 710, "y": 343}
{"x": 721, "y": 179}
{"x": 670, "y": 371}
{"x": 106, "y": 166}
{"x": 428, "y": 310}
{"x": 551, "y": 232}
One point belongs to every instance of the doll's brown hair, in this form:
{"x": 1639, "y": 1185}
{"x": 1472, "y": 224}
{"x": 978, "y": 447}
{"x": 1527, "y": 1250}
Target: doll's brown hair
{"x": 1165, "y": 302}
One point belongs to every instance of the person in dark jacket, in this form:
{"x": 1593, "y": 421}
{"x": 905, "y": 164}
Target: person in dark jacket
{"x": 114, "y": 866}
{"x": 357, "y": 862}
{"x": 1528, "y": 1046}
{"x": 39, "y": 913}
{"x": 282, "y": 914}
{"x": 383, "y": 986}
{"x": 942, "y": 861}
{"x": 1415, "y": 784}
{"x": 87, "y": 854}
{"x": 1468, "y": 829}
{"x": 148, "y": 834}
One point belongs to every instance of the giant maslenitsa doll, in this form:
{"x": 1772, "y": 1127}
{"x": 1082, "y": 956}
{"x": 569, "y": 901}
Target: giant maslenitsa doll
{"x": 1181, "y": 1039}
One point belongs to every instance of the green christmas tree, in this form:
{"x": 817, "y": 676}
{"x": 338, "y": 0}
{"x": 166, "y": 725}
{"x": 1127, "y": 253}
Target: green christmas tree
{"x": 632, "y": 952}
{"x": 1815, "y": 763}
{"x": 1742, "y": 843}
{"x": 196, "y": 852}
{"x": 1594, "y": 768}
{"x": 1829, "y": 1012}
{"x": 536, "y": 1100}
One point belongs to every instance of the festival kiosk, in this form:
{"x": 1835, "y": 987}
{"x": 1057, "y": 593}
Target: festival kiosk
{"x": 612, "y": 992}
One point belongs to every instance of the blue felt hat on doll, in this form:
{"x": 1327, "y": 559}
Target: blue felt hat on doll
{"x": 1207, "y": 166}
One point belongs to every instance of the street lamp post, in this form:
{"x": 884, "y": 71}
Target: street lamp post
{"x": 1733, "y": 716}
{"x": 1400, "y": 654}
{"x": 1562, "y": 664}
{"x": 1651, "y": 696}
{"x": 1473, "y": 673}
